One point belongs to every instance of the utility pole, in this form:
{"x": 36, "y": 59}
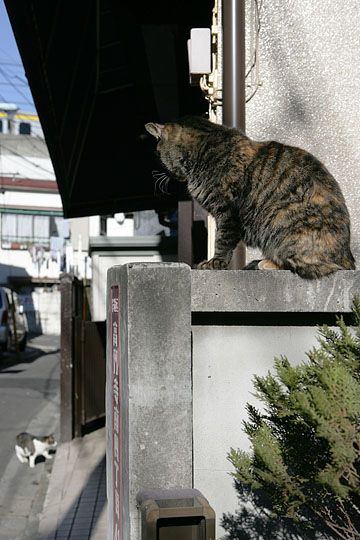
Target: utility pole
{"x": 233, "y": 12}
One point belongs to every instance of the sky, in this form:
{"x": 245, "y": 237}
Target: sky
{"x": 14, "y": 87}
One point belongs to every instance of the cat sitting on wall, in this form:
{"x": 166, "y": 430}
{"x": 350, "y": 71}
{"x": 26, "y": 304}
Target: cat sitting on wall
{"x": 29, "y": 446}
{"x": 271, "y": 196}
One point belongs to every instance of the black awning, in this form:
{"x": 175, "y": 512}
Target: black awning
{"x": 98, "y": 71}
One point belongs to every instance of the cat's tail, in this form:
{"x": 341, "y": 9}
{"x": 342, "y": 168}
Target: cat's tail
{"x": 319, "y": 270}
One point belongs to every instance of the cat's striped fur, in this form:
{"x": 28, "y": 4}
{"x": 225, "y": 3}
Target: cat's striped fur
{"x": 275, "y": 197}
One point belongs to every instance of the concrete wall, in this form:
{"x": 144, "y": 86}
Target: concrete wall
{"x": 19, "y": 263}
{"x": 47, "y": 305}
{"x": 240, "y": 321}
{"x": 310, "y": 74}
{"x": 42, "y": 309}
{"x": 228, "y": 352}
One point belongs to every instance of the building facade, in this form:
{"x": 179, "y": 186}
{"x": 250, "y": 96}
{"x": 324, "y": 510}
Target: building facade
{"x": 33, "y": 232}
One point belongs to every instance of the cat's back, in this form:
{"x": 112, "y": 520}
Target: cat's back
{"x": 278, "y": 161}
{"x": 279, "y": 173}
{"x": 23, "y": 438}
{"x": 24, "y": 443}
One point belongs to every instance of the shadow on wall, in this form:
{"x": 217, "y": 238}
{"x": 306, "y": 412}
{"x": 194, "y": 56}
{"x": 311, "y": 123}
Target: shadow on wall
{"x": 306, "y": 115}
{"x": 254, "y": 520}
{"x": 33, "y": 319}
{"x": 18, "y": 279}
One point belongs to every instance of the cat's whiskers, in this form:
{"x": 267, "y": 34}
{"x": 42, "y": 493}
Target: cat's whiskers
{"x": 158, "y": 184}
{"x": 155, "y": 185}
{"x": 164, "y": 184}
{"x": 161, "y": 182}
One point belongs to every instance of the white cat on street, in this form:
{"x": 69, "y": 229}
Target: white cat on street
{"x": 28, "y": 447}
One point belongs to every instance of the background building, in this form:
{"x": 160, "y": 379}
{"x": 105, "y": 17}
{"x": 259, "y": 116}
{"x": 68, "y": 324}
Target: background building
{"x": 32, "y": 229}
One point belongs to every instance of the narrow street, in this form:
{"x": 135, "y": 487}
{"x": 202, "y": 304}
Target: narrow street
{"x": 29, "y": 401}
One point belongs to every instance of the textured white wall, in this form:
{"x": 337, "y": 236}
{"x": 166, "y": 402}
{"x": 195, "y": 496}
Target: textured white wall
{"x": 31, "y": 200}
{"x": 42, "y": 309}
{"x": 225, "y": 360}
{"x": 310, "y": 94}
{"x": 19, "y": 263}
{"x": 47, "y": 304}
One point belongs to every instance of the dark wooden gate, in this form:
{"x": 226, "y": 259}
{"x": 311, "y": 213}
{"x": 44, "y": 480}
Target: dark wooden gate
{"x": 83, "y": 357}
{"x": 90, "y": 347}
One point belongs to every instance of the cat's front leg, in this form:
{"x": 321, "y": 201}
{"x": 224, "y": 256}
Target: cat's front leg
{"x": 20, "y": 455}
{"x": 47, "y": 455}
{"x": 228, "y": 235}
{"x": 32, "y": 460}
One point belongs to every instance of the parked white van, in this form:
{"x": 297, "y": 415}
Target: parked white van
{"x": 13, "y": 327}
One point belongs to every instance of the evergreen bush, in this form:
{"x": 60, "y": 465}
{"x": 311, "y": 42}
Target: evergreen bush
{"x": 305, "y": 454}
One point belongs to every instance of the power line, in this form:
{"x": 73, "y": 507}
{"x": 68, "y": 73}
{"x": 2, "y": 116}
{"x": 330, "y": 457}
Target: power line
{"x": 15, "y": 70}
{"x": 11, "y": 173}
{"x": 44, "y": 153}
{"x": 13, "y": 64}
{"x": 3, "y": 83}
{"x": 21, "y": 79}
{"x": 14, "y": 86}
{"x": 26, "y": 159}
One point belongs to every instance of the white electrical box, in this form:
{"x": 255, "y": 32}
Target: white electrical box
{"x": 199, "y": 51}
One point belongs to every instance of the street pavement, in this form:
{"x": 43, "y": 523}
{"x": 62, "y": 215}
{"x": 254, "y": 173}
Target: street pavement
{"x": 75, "y": 506}
{"x": 29, "y": 401}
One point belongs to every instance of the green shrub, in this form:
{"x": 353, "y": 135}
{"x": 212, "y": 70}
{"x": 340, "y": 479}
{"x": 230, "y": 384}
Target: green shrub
{"x": 305, "y": 454}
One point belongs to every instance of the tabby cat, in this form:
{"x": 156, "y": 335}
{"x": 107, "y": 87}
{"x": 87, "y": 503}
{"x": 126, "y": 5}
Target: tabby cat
{"x": 271, "y": 196}
{"x": 29, "y": 446}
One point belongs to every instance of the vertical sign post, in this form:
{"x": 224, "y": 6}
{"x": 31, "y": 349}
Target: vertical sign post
{"x": 149, "y": 395}
{"x": 116, "y": 414}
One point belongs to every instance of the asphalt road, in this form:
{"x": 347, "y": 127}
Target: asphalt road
{"x": 29, "y": 401}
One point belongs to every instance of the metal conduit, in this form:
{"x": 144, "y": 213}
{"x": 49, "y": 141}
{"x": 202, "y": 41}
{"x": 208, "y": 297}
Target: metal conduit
{"x": 233, "y": 12}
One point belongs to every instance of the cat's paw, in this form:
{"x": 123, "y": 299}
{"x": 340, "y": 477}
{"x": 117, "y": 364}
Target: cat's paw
{"x": 253, "y": 265}
{"x": 262, "y": 264}
{"x": 216, "y": 263}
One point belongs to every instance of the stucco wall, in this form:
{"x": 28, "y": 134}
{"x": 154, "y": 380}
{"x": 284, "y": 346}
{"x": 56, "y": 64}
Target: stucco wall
{"x": 42, "y": 310}
{"x": 225, "y": 360}
{"x": 310, "y": 74}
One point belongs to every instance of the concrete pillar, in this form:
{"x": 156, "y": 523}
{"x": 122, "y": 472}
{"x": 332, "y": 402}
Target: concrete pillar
{"x": 149, "y": 393}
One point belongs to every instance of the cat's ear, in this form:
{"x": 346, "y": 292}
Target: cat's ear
{"x": 154, "y": 129}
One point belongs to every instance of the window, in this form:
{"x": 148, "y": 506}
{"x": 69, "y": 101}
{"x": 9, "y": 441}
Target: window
{"x": 19, "y": 231}
{"x": 103, "y": 225}
{"x": 25, "y": 128}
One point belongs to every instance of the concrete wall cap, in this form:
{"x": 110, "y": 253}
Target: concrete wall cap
{"x": 272, "y": 291}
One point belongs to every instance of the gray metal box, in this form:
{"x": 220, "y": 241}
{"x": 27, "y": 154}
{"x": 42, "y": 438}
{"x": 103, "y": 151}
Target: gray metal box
{"x": 175, "y": 514}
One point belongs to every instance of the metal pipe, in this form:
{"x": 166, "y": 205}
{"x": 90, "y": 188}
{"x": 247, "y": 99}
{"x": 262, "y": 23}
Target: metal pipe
{"x": 234, "y": 63}
{"x": 234, "y": 82}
